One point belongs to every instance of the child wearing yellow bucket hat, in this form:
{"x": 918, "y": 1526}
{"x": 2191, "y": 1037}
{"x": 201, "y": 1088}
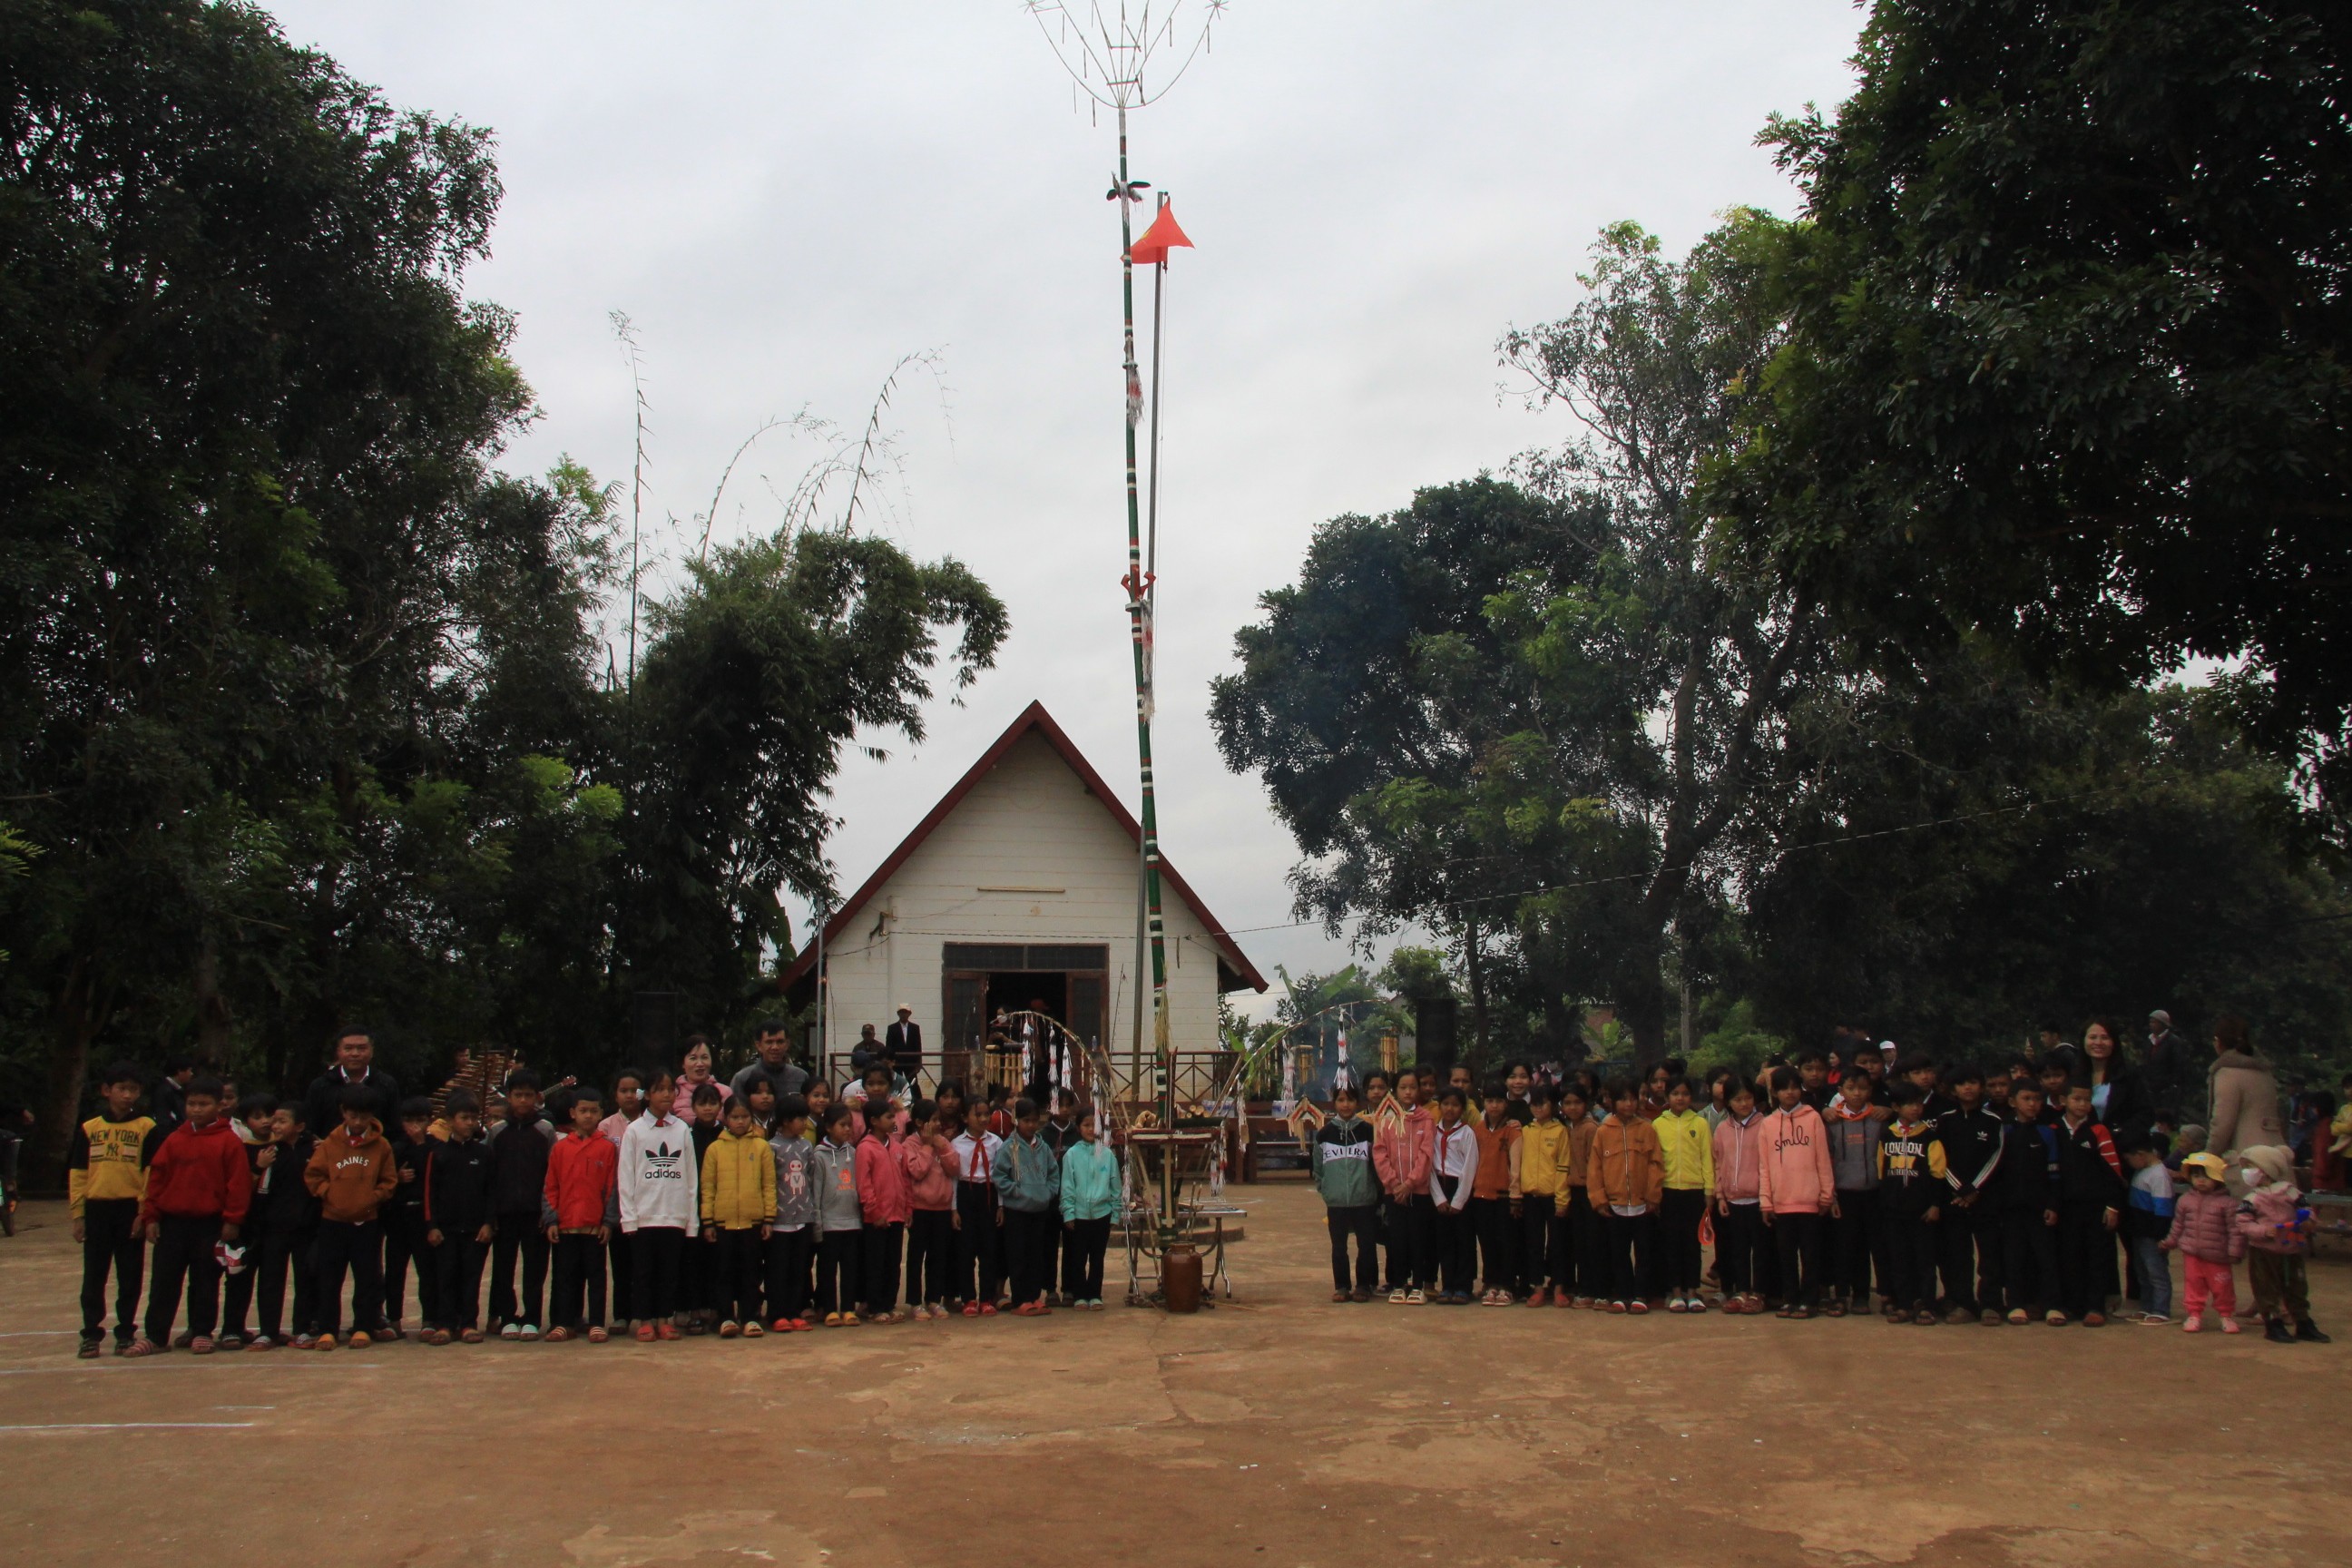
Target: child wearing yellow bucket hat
{"x": 2204, "y": 1232}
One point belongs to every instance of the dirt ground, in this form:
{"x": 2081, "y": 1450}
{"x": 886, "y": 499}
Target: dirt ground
{"x": 1276, "y": 1430}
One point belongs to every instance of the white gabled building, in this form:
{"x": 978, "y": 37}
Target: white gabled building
{"x": 1018, "y": 887}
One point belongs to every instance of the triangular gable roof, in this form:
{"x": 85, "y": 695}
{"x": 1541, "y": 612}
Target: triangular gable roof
{"x": 1033, "y": 718}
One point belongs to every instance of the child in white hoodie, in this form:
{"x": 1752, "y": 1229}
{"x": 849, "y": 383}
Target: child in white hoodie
{"x": 660, "y": 1192}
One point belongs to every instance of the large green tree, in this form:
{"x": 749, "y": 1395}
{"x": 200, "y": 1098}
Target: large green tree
{"x": 302, "y": 711}
{"x": 2071, "y": 351}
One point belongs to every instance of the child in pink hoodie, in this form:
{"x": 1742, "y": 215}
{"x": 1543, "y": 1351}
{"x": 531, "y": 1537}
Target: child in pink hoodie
{"x": 1402, "y": 1148}
{"x": 1738, "y": 1199}
{"x": 884, "y": 1206}
{"x": 1795, "y": 1186}
{"x": 929, "y": 1168}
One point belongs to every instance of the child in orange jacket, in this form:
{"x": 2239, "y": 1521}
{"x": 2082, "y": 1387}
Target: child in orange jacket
{"x": 1625, "y": 1178}
{"x": 351, "y": 1172}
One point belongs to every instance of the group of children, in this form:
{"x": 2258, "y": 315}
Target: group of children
{"x": 1951, "y": 1196}
{"x": 674, "y": 1211}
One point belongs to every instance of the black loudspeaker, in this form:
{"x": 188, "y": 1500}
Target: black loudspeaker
{"x": 653, "y": 1029}
{"x": 1434, "y": 1045}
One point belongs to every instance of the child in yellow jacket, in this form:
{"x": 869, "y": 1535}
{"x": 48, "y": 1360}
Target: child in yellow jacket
{"x": 1686, "y": 1150}
{"x": 739, "y": 1205}
{"x": 1544, "y": 1146}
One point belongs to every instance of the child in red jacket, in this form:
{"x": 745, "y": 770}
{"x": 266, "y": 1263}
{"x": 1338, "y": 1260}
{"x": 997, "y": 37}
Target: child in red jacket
{"x": 198, "y": 1188}
{"x": 580, "y": 1207}
{"x": 882, "y": 1198}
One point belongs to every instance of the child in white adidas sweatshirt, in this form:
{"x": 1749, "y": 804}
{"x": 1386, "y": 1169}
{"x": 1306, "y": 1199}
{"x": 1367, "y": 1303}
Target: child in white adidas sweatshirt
{"x": 659, "y": 1192}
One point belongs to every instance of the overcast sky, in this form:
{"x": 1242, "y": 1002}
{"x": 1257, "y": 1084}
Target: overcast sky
{"x": 787, "y": 198}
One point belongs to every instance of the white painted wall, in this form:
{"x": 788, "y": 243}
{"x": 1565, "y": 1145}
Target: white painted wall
{"x": 1031, "y": 824}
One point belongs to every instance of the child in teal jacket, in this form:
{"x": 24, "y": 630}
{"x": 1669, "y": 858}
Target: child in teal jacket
{"x": 1028, "y": 1181}
{"x": 1090, "y": 1194}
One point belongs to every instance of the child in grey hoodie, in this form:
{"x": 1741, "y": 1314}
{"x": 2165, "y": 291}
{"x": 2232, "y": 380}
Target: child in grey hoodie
{"x": 789, "y": 1238}
{"x": 839, "y": 1219}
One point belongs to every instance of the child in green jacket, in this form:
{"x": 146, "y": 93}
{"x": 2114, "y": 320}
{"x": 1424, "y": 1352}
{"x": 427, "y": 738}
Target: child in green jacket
{"x": 1091, "y": 1189}
{"x": 1341, "y": 1155}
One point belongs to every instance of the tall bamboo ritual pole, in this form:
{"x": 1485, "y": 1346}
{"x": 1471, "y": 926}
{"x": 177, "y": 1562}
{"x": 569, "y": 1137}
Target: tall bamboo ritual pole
{"x": 1138, "y": 585}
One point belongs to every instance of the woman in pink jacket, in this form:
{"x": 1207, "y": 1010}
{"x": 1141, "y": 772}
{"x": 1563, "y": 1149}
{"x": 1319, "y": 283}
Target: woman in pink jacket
{"x": 1795, "y": 1186}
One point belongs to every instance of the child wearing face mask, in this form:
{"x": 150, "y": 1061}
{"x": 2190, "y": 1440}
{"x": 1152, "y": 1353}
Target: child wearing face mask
{"x": 2277, "y": 1228}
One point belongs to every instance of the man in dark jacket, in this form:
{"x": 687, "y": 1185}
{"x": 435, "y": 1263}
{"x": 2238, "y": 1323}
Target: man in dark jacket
{"x": 322, "y": 1103}
{"x": 2170, "y": 1069}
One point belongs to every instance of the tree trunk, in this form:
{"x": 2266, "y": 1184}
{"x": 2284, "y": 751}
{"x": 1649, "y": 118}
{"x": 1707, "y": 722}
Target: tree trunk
{"x": 78, "y": 1014}
{"x": 1474, "y": 966}
{"x": 212, "y": 1008}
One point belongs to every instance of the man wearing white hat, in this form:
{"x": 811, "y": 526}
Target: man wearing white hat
{"x": 903, "y": 1043}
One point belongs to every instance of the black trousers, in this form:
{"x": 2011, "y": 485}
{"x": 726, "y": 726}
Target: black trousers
{"x": 1084, "y": 1242}
{"x": 1049, "y": 1250}
{"x": 788, "y": 1273}
{"x": 184, "y": 1259}
{"x": 733, "y": 1267}
{"x": 931, "y": 1258}
{"x": 236, "y": 1292}
{"x": 1910, "y": 1260}
{"x": 405, "y": 1244}
{"x": 657, "y": 1257}
{"x": 1419, "y": 1217}
{"x": 1680, "y": 1210}
{"x": 1393, "y": 1274}
{"x": 1025, "y": 1234}
{"x": 1457, "y": 1249}
{"x": 1586, "y": 1247}
{"x": 1490, "y": 1221}
{"x": 621, "y": 1257}
{"x": 880, "y": 1249}
{"x": 579, "y": 1272}
{"x": 1364, "y": 1225}
{"x": 111, "y": 1243}
{"x": 1631, "y": 1242}
{"x": 1853, "y": 1241}
{"x": 2086, "y": 1257}
{"x": 979, "y": 1244}
{"x": 1738, "y": 1247}
{"x": 360, "y": 1249}
{"x": 1542, "y": 1231}
{"x": 697, "y": 1277}
{"x": 1797, "y": 1252}
{"x": 283, "y": 1252}
{"x": 2029, "y": 1261}
{"x": 1969, "y": 1243}
{"x": 837, "y": 1271}
{"x": 457, "y": 1281}
{"x": 517, "y": 1236}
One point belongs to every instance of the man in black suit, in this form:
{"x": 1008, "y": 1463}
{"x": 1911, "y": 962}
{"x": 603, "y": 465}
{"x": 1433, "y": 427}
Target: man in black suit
{"x": 902, "y": 1042}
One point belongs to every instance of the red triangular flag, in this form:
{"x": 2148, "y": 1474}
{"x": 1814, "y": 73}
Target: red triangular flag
{"x": 1161, "y": 237}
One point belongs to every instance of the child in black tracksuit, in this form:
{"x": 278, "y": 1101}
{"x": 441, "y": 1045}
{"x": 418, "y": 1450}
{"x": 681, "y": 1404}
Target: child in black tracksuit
{"x": 458, "y": 1222}
{"x": 518, "y": 1181}
{"x": 403, "y": 1219}
{"x": 1912, "y": 1190}
{"x": 279, "y": 1231}
{"x": 2092, "y": 1195}
{"x": 2025, "y": 1189}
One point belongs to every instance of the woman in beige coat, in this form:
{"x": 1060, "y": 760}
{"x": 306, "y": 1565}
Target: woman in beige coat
{"x": 2245, "y": 1092}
